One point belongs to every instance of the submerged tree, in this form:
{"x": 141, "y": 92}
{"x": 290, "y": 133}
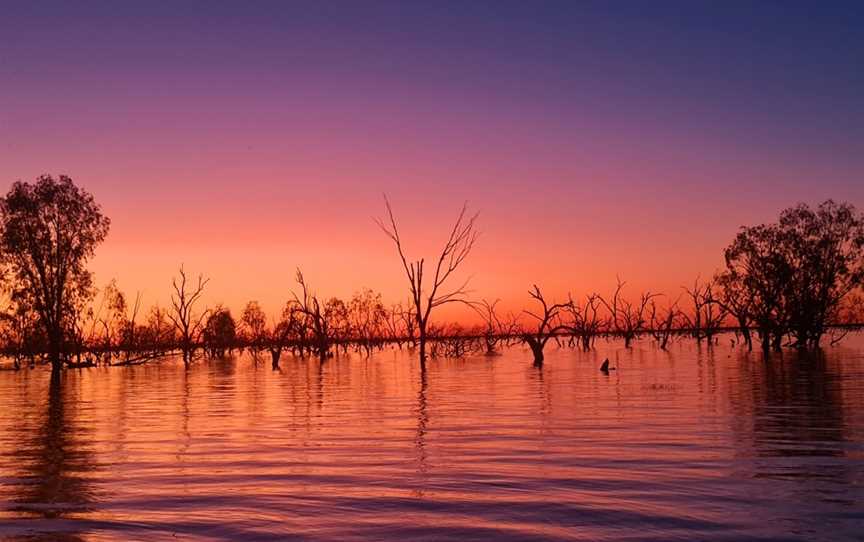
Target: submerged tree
{"x": 796, "y": 273}
{"x": 316, "y": 318}
{"x": 627, "y": 318}
{"x": 278, "y": 338}
{"x": 737, "y": 301}
{"x": 254, "y": 326}
{"x": 663, "y": 322}
{"x": 583, "y": 321}
{"x": 427, "y": 295}
{"x": 220, "y": 332}
{"x": 48, "y": 231}
{"x": 494, "y": 330}
{"x": 708, "y": 313}
{"x": 546, "y": 327}
{"x": 367, "y": 320}
{"x": 826, "y": 248}
{"x": 187, "y": 323}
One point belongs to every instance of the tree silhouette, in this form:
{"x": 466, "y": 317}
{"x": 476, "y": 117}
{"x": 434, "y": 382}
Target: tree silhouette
{"x": 794, "y": 274}
{"x": 738, "y": 302}
{"x": 626, "y": 318}
{"x": 314, "y": 317}
{"x": 220, "y": 332}
{"x": 187, "y": 324}
{"x": 254, "y": 326}
{"x": 584, "y": 322}
{"x": 282, "y": 331}
{"x": 48, "y": 231}
{"x": 367, "y": 320}
{"x": 663, "y": 322}
{"x": 494, "y": 329}
{"x": 708, "y": 312}
{"x": 456, "y": 249}
{"x": 546, "y": 329}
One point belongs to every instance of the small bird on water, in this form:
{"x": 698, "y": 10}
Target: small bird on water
{"x": 605, "y": 367}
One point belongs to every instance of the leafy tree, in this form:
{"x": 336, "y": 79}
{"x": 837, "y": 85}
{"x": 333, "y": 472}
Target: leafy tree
{"x": 220, "y": 331}
{"x": 254, "y": 325}
{"x": 48, "y": 231}
{"x": 796, "y": 273}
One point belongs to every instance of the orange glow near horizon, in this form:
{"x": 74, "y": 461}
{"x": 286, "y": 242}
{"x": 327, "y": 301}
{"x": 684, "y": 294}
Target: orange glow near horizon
{"x": 263, "y": 140}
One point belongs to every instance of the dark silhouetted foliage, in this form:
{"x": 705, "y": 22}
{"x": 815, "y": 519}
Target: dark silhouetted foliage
{"x": 48, "y": 231}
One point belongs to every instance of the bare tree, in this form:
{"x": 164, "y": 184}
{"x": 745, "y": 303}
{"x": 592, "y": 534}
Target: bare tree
{"x": 848, "y": 317}
{"x": 367, "y": 320}
{"x": 282, "y": 331}
{"x": 708, "y": 312}
{"x": 663, "y": 323}
{"x": 393, "y": 325}
{"x": 315, "y": 318}
{"x": 545, "y": 330}
{"x": 737, "y": 301}
{"x": 456, "y": 249}
{"x": 254, "y": 326}
{"x": 584, "y": 322}
{"x": 187, "y": 324}
{"x": 494, "y": 329}
{"x": 626, "y": 318}
{"x": 409, "y": 323}
{"x": 158, "y": 335}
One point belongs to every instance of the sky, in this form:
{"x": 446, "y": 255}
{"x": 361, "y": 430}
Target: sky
{"x": 245, "y": 139}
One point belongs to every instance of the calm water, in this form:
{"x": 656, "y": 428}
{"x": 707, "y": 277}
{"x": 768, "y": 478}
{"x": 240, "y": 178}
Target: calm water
{"x": 689, "y": 445}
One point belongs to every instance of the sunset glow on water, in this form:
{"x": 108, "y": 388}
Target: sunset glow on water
{"x": 686, "y": 444}
{"x": 403, "y": 270}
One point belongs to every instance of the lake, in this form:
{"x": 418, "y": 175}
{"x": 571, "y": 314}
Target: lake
{"x": 690, "y": 444}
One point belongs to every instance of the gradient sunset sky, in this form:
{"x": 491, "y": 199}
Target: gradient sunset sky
{"x": 245, "y": 139}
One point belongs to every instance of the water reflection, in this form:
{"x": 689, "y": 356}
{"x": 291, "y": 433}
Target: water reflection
{"x": 710, "y": 443}
{"x": 793, "y": 420}
{"x": 420, "y": 438}
{"x": 795, "y": 409}
{"x": 54, "y": 463}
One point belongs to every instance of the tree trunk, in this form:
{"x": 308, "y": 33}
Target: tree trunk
{"x": 765, "y": 337}
{"x": 745, "y": 332}
{"x": 536, "y": 349}
{"x": 54, "y": 351}
{"x": 187, "y": 356}
{"x": 422, "y": 341}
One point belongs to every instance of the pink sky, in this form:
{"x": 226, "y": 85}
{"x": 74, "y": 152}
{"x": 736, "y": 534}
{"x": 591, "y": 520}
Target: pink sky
{"x": 259, "y": 142}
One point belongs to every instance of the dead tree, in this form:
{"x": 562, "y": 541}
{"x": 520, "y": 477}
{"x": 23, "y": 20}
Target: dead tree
{"x": 425, "y": 296}
{"x": 708, "y": 313}
{"x": 187, "y": 324}
{"x": 254, "y": 329}
{"x": 663, "y": 323}
{"x": 627, "y": 319}
{"x": 584, "y": 322}
{"x": 738, "y": 302}
{"x": 493, "y": 328}
{"x": 453, "y": 341}
{"x": 282, "y": 331}
{"x": 537, "y": 340}
{"x": 401, "y": 325}
{"x": 314, "y": 318}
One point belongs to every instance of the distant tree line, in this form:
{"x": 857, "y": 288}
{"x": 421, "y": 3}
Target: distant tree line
{"x": 792, "y": 282}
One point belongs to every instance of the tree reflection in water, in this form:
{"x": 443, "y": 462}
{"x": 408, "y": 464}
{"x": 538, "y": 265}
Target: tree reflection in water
{"x": 55, "y": 465}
